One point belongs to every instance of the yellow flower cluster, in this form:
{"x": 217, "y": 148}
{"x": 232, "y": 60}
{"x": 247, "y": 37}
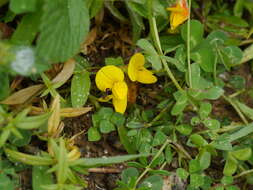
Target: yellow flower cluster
{"x": 112, "y": 78}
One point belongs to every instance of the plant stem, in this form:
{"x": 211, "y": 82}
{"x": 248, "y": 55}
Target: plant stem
{"x": 189, "y": 46}
{"x": 156, "y": 40}
{"x": 149, "y": 166}
{"x": 244, "y": 173}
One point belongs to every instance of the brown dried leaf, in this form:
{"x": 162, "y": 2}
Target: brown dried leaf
{"x": 74, "y": 112}
{"x": 23, "y": 95}
{"x": 66, "y": 72}
{"x": 54, "y": 119}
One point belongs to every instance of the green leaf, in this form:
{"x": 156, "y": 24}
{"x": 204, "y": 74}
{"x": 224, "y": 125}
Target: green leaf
{"x": 212, "y": 124}
{"x": 196, "y": 180}
{"x": 93, "y": 134}
{"x": 230, "y": 166}
{"x": 129, "y": 174}
{"x": 226, "y": 180}
{"x": 238, "y": 8}
{"x": 197, "y": 31}
{"x": 153, "y": 182}
{"x": 182, "y": 173}
{"x": 232, "y": 187}
{"x": 205, "y": 57}
{"x": 180, "y": 104}
{"x": 95, "y": 6}
{"x": 91, "y": 162}
{"x": 245, "y": 109}
{"x": 205, "y": 109}
{"x": 27, "y": 28}
{"x": 242, "y": 154}
{"x": 237, "y": 81}
{"x": 23, "y": 6}
{"x": 204, "y": 159}
{"x": 168, "y": 154}
{"x": 232, "y": 56}
{"x": 118, "y": 119}
{"x": 39, "y": 178}
{"x": 198, "y": 140}
{"x": 6, "y": 183}
{"x": 64, "y": 26}
{"x": 194, "y": 166}
{"x": 25, "y": 140}
{"x": 118, "y": 61}
{"x": 80, "y": 88}
{"x": 211, "y": 93}
{"x": 184, "y": 129}
{"x": 244, "y": 131}
{"x": 4, "y": 85}
{"x": 159, "y": 138}
{"x": 106, "y": 126}
{"x": 105, "y": 113}
{"x": 223, "y": 142}
{"x": 124, "y": 139}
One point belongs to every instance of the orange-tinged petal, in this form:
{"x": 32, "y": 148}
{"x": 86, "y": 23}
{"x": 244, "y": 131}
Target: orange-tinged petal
{"x": 146, "y": 77}
{"x": 120, "y": 104}
{"x": 107, "y": 76}
{"x": 119, "y": 90}
{"x": 136, "y": 62}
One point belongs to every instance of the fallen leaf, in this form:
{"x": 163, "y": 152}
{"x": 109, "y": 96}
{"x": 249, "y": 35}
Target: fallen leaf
{"x": 23, "y": 95}
{"x": 74, "y": 112}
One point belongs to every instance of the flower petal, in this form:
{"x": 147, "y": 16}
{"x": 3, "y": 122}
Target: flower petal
{"x": 146, "y": 77}
{"x": 119, "y": 90}
{"x": 120, "y": 104}
{"x": 105, "y": 99}
{"x": 107, "y": 76}
{"x": 136, "y": 62}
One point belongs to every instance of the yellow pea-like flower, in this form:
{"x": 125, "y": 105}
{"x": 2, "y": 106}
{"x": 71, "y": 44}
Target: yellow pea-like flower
{"x": 179, "y": 13}
{"x": 112, "y": 78}
{"x": 137, "y": 72}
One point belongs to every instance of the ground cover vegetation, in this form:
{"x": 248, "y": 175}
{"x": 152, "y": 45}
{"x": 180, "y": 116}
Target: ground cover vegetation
{"x": 126, "y": 94}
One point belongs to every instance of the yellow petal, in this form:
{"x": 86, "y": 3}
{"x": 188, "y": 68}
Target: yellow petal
{"x": 146, "y": 77}
{"x": 107, "y": 76}
{"x": 119, "y": 90}
{"x": 120, "y": 104}
{"x": 136, "y": 62}
{"x": 176, "y": 19}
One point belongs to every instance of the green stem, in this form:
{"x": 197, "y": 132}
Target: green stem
{"x": 189, "y": 46}
{"x": 244, "y": 173}
{"x": 236, "y": 109}
{"x": 156, "y": 40}
{"x": 148, "y": 168}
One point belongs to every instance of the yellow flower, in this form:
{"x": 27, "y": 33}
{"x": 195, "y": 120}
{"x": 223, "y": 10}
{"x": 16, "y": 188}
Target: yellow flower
{"x": 179, "y": 13}
{"x": 112, "y": 78}
{"x": 137, "y": 71}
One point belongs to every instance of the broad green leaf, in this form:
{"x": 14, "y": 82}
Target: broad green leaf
{"x": 196, "y": 180}
{"x": 230, "y": 166}
{"x": 118, "y": 61}
{"x": 27, "y": 28}
{"x": 198, "y": 140}
{"x": 106, "y": 126}
{"x": 226, "y": 180}
{"x": 244, "y": 131}
{"x": 80, "y": 88}
{"x": 115, "y": 11}
{"x": 168, "y": 154}
{"x": 211, "y": 93}
{"x": 159, "y": 138}
{"x": 232, "y": 56}
{"x": 197, "y": 31}
{"x": 217, "y": 37}
{"x": 212, "y": 124}
{"x": 155, "y": 61}
{"x": 237, "y": 82}
{"x": 6, "y": 183}
{"x": 229, "y": 19}
{"x": 64, "y": 26}
{"x": 184, "y": 129}
{"x": 25, "y": 140}
{"x": 147, "y": 46}
{"x": 91, "y": 162}
{"x": 105, "y": 113}
{"x": 223, "y": 142}
{"x": 194, "y": 166}
{"x": 39, "y": 178}
{"x": 153, "y": 182}
{"x": 95, "y": 6}
{"x": 93, "y": 134}
{"x": 118, "y": 119}
{"x": 205, "y": 109}
{"x": 23, "y": 6}
{"x": 204, "y": 159}
{"x": 5, "y": 133}
{"x": 128, "y": 174}
{"x": 242, "y": 154}
{"x": 124, "y": 139}
{"x": 205, "y": 57}
{"x": 181, "y": 103}
{"x": 182, "y": 173}
{"x": 238, "y": 8}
